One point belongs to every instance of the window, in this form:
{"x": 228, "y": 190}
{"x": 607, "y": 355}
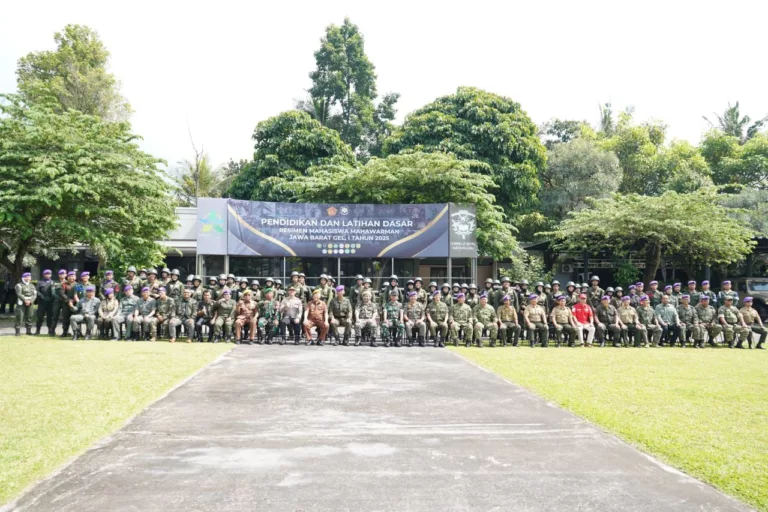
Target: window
{"x": 758, "y": 286}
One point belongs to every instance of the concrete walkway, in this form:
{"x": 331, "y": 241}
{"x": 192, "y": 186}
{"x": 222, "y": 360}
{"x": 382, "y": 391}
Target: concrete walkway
{"x": 270, "y": 428}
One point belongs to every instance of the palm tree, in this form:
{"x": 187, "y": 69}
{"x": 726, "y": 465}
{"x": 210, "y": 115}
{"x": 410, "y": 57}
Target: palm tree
{"x": 320, "y": 109}
{"x": 731, "y": 123}
{"x": 198, "y": 178}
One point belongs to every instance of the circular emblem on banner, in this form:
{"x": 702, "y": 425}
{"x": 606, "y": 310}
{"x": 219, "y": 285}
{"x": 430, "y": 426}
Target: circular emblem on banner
{"x": 463, "y": 223}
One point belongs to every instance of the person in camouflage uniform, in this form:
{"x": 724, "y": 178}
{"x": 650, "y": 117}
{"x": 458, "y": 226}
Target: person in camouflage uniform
{"x": 165, "y": 278}
{"x": 26, "y": 293}
{"x": 707, "y": 322}
{"x": 461, "y": 319}
{"x": 709, "y": 293}
{"x": 736, "y": 331}
{"x": 164, "y": 312}
{"x": 607, "y": 321}
{"x": 677, "y": 294}
{"x": 340, "y": 313}
{"x": 205, "y": 315}
{"x": 594, "y": 292}
{"x": 175, "y": 287}
{"x": 535, "y": 318}
{"x": 126, "y": 314}
{"x": 618, "y": 294}
{"x": 197, "y": 289}
{"x": 366, "y": 314}
{"x": 109, "y": 283}
{"x": 693, "y": 294}
{"x": 753, "y": 322}
{"x": 269, "y": 317}
{"x": 727, "y": 292}
{"x": 446, "y": 295}
{"x": 485, "y": 319}
{"x": 688, "y": 320}
{"x": 563, "y": 323}
{"x": 650, "y": 331}
{"x": 86, "y": 310}
{"x": 634, "y": 298}
{"x": 505, "y": 291}
{"x": 421, "y": 294}
{"x": 629, "y": 323}
{"x": 653, "y": 293}
{"x": 184, "y": 314}
{"x": 326, "y": 292}
{"x": 246, "y": 314}
{"x": 472, "y": 298}
{"x": 489, "y": 291}
{"x": 437, "y": 315}
{"x": 413, "y": 316}
{"x": 509, "y": 326}
{"x": 153, "y": 284}
{"x": 668, "y": 294}
{"x": 392, "y": 326}
{"x": 108, "y": 309}
{"x": 224, "y": 317}
{"x": 132, "y": 280}
{"x": 431, "y": 292}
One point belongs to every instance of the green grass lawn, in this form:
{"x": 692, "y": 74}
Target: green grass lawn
{"x": 58, "y": 397}
{"x": 703, "y": 411}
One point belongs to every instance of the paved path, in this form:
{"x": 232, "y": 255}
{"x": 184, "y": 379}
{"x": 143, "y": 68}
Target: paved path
{"x": 361, "y": 429}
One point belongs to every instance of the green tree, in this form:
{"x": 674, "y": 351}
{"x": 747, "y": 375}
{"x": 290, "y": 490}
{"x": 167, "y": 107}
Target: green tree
{"x": 558, "y": 131}
{"x": 693, "y": 228}
{"x": 409, "y": 178}
{"x": 679, "y": 167}
{"x": 732, "y": 123}
{"x": 750, "y": 207}
{"x": 75, "y": 75}
{"x": 198, "y": 178}
{"x": 575, "y": 171}
{"x": 344, "y": 90}
{"x": 286, "y": 146}
{"x": 490, "y": 130}
{"x": 735, "y": 164}
{"x": 67, "y": 177}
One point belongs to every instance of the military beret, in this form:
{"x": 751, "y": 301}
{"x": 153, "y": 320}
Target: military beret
{"x": 483, "y": 295}
{"x": 505, "y": 298}
{"x": 677, "y": 284}
{"x": 533, "y": 296}
{"x": 340, "y": 288}
{"x": 108, "y": 273}
{"x": 268, "y": 290}
{"x": 625, "y": 299}
{"x": 71, "y": 273}
{"x": 412, "y": 294}
{"x": 460, "y": 296}
{"x": 226, "y": 292}
{"x": 85, "y": 273}
{"x": 161, "y": 289}
{"x": 639, "y": 283}
{"x": 108, "y": 291}
{"x": 62, "y": 272}
{"x": 726, "y": 282}
{"x": 90, "y": 288}
{"x": 704, "y": 282}
{"x": 644, "y": 297}
{"x": 747, "y": 299}
{"x": 127, "y": 287}
{"x": 631, "y": 287}
{"x": 26, "y": 274}
{"x": 652, "y": 282}
{"x": 691, "y": 282}
{"x": 668, "y": 287}
{"x": 561, "y": 297}
{"x": 46, "y": 271}
{"x": 685, "y": 297}
{"x": 436, "y": 292}
{"x": 704, "y": 297}
{"x": 145, "y": 289}
{"x": 605, "y": 297}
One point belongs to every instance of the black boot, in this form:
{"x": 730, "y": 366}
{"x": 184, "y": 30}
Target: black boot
{"x": 74, "y": 335}
{"x": 37, "y": 331}
{"x": 18, "y": 331}
{"x": 421, "y": 341}
{"x": 441, "y": 342}
{"x": 479, "y": 342}
{"x": 345, "y": 342}
{"x": 760, "y": 346}
{"x": 334, "y": 339}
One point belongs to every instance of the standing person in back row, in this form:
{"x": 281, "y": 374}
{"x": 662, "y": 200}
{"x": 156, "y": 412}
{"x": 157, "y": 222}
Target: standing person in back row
{"x": 45, "y": 300}
{"x": 26, "y": 293}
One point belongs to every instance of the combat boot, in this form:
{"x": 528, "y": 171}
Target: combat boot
{"x": 421, "y": 341}
{"x": 29, "y": 331}
{"x": 441, "y": 343}
{"x": 334, "y": 339}
{"x": 479, "y": 342}
{"x": 74, "y": 334}
{"x": 411, "y": 340}
{"x": 760, "y": 346}
{"x": 18, "y": 331}
{"x": 37, "y": 331}
{"x": 345, "y": 342}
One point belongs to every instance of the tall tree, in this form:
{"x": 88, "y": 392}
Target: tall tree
{"x": 286, "y": 146}
{"x": 490, "y": 130}
{"x": 344, "y": 89}
{"x": 735, "y": 164}
{"x": 66, "y": 178}
{"x": 732, "y": 123}
{"x": 575, "y": 171}
{"x": 198, "y": 178}
{"x": 694, "y": 228}
{"x": 75, "y": 75}
{"x": 559, "y": 131}
{"x": 410, "y": 178}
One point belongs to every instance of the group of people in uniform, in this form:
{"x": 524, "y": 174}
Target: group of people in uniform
{"x": 147, "y": 304}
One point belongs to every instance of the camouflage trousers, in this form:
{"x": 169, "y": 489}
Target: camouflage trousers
{"x": 365, "y": 324}
{"x": 418, "y": 325}
{"x": 654, "y": 331}
{"x": 712, "y": 329}
{"x": 442, "y": 327}
{"x": 392, "y": 327}
{"x": 509, "y": 332}
{"x": 466, "y": 327}
{"x": 263, "y": 323}
{"x": 188, "y": 323}
{"x": 142, "y": 325}
{"x": 490, "y": 327}
{"x": 733, "y": 331}
{"x": 223, "y": 324}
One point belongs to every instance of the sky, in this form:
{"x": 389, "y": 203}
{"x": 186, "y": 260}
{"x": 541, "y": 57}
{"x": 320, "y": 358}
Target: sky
{"x": 215, "y": 69}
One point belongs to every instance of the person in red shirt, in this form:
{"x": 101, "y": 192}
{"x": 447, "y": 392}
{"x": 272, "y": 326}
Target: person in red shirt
{"x": 585, "y": 320}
